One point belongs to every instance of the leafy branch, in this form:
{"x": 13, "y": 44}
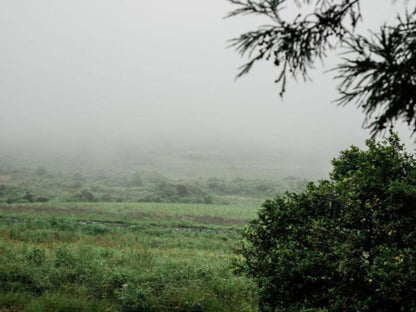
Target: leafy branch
{"x": 379, "y": 74}
{"x": 380, "y": 77}
{"x": 295, "y": 45}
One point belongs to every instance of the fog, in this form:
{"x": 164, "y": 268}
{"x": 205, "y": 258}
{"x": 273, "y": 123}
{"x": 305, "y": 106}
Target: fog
{"x": 128, "y": 83}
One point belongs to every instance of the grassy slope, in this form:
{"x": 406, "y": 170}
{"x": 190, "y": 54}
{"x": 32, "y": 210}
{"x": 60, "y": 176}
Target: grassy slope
{"x": 121, "y": 257}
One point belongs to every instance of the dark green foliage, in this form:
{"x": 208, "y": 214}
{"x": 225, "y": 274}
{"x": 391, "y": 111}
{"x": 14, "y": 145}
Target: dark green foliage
{"x": 85, "y": 195}
{"x": 182, "y": 190}
{"x": 380, "y": 73}
{"x": 135, "y": 180}
{"x": 133, "y": 298}
{"x": 42, "y": 199}
{"x": 37, "y": 256}
{"x": 14, "y": 194}
{"x": 29, "y": 197}
{"x": 140, "y": 186}
{"x": 64, "y": 257}
{"x": 216, "y": 184}
{"x": 344, "y": 244}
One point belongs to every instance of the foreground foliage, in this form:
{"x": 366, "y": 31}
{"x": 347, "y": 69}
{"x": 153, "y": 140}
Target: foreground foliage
{"x": 345, "y": 244}
{"x": 121, "y": 257}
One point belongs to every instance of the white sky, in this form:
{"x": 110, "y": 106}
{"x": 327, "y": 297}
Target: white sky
{"x": 107, "y": 71}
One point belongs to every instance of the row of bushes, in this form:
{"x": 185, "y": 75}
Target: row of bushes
{"x": 166, "y": 193}
{"x": 141, "y": 187}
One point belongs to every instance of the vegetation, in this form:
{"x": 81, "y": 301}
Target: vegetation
{"x": 122, "y": 242}
{"x": 37, "y": 185}
{"x": 126, "y": 240}
{"x": 379, "y": 74}
{"x": 121, "y": 257}
{"x": 344, "y": 244}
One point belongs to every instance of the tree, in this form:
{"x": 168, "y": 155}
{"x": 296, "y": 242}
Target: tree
{"x": 378, "y": 74}
{"x": 344, "y": 244}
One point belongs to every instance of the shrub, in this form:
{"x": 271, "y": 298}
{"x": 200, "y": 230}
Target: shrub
{"x": 182, "y": 190}
{"x": 134, "y": 298}
{"x": 216, "y": 184}
{"x": 64, "y": 257}
{"x": 135, "y": 180}
{"x": 85, "y": 195}
{"x": 36, "y": 255}
{"x": 29, "y": 197}
{"x": 42, "y": 199}
{"x": 344, "y": 244}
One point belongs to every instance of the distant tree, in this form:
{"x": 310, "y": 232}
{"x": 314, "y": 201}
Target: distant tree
{"x": 378, "y": 74}
{"x": 78, "y": 179}
{"x": 135, "y": 180}
{"x": 216, "y": 184}
{"x": 182, "y": 190}
{"x": 29, "y": 197}
{"x": 85, "y": 195}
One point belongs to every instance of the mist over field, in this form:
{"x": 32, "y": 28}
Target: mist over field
{"x": 138, "y": 174}
{"x": 121, "y": 85}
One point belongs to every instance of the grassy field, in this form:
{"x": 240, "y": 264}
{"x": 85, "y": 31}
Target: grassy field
{"x": 122, "y": 257}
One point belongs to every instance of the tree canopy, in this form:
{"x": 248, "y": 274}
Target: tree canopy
{"x": 344, "y": 244}
{"x": 377, "y": 71}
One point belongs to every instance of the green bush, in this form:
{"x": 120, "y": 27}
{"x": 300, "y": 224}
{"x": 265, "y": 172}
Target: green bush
{"x": 64, "y": 257}
{"x": 344, "y": 244}
{"x": 135, "y": 180}
{"x": 36, "y": 255}
{"x": 134, "y": 298}
{"x": 85, "y": 195}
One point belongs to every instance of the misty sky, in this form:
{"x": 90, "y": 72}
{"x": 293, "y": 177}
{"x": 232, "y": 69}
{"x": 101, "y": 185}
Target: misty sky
{"x": 129, "y": 71}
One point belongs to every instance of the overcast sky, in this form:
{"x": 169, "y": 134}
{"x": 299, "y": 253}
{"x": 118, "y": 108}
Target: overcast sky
{"x": 108, "y": 71}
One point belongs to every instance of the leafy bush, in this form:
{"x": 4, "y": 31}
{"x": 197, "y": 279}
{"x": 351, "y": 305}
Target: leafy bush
{"x": 64, "y": 257}
{"x": 344, "y": 244}
{"x": 216, "y": 184}
{"x": 85, "y": 195}
{"x": 134, "y": 298}
{"x": 37, "y": 256}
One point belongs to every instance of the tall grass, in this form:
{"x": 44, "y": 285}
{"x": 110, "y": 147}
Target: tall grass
{"x": 55, "y": 262}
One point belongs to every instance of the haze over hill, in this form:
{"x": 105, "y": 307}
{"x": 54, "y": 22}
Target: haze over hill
{"x": 119, "y": 85}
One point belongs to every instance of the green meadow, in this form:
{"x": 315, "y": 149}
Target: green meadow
{"x": 132, "y": 240}
{"x": 58, "y": 256}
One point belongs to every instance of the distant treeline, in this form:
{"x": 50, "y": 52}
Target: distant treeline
{"x": 38, "y": 185}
